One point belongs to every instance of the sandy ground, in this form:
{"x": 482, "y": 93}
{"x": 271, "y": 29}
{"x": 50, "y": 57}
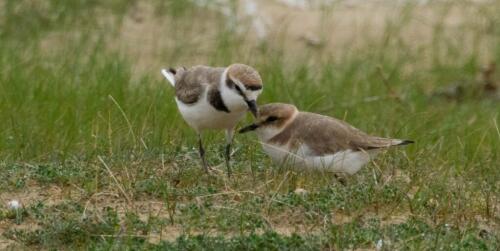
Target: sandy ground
{"x": 332, "y": 29}
{"x": 150, "y": 39}
{"x": 298, "y": 27}
{"x": 95, "y": 206}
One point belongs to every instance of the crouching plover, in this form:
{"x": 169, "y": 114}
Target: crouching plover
{"x": 215, "y": 98}
{"x": 314, "y": 141}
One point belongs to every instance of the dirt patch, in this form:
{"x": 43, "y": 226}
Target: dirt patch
{"x": 153, "y": 39}
{"x": 286, "y": 222}
{"x": 35, "y": 193}
{"x": 156, "y": 41}
{"x": 340, "y": 27}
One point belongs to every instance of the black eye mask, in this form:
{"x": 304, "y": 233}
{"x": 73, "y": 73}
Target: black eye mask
{"x": 230, "y": 83}
{"x": 238, "y": 89}
{"x": 254, "y": 126}
{"x": 248, "y": 128}
{"x": 252, "y": 104}
{"x": 271, "y": 119}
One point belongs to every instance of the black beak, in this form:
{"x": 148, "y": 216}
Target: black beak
{"x": 248, "y": 128}
{"x": 252, "y": 105}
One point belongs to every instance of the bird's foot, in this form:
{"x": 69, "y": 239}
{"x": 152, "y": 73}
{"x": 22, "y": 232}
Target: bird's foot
{"x": 341, "y": 179}
{"x": 214, "y": 171}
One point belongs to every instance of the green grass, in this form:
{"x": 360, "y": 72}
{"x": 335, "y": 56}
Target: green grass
{"x": 101, "y": 159}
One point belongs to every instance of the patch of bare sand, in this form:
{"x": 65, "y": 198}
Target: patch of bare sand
{"x": 158, "y": 41}
{"x": 344, "y": 27}
{"x": 286, "y": 222}
{"x": 153, "y": 40}
{"x": 94, "y": 205}
{"x": 34, "y": 193}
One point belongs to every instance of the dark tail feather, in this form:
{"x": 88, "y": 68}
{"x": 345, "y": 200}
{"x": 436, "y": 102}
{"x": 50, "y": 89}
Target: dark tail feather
{"x": 406, "y": 142}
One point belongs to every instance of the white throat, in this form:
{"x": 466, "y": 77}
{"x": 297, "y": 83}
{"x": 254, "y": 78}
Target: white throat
{"x": 233, "y": 101}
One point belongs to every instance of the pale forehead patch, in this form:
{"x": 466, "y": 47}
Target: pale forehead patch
{"x": 280, "y": 110}
{"x": 247, "y": 75}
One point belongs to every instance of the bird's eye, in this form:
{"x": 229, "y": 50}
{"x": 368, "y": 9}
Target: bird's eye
{"x": 271, "y": 119}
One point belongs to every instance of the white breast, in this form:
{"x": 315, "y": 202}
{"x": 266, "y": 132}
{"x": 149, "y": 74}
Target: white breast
{"x": 278, "y": 153}
{"x": 202, "y": 115}
{"x": 347, "y": 161}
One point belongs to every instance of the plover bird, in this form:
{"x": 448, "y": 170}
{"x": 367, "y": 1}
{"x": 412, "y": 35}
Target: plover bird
{"x": 215, "y": 98}
{"x": 314, "y": 141}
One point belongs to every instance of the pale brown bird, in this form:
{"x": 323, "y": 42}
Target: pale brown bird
{"x": 215, "y": 98}
{"x": 314, "y": 141}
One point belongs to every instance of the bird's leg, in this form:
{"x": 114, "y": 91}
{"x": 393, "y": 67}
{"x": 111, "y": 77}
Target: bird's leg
{"x": 227, "y": 154}
{"x": 202, "y": 153}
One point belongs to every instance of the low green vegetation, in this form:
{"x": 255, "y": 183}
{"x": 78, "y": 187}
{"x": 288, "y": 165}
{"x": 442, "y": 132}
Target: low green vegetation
{"x": 92, "y": 145}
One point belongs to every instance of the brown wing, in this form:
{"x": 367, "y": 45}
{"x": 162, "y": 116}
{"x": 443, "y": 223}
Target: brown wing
{"x": 190, "y": 83}
{"x": 327, "y": 135}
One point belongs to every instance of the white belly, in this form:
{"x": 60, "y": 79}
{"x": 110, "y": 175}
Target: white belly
{"x": 347, "y": 161}
{"x": 202, "y": 116}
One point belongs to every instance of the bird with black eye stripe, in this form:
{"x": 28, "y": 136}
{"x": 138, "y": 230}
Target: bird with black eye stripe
{"x": 215, "y": 98}
{"x": 313, "y": 141}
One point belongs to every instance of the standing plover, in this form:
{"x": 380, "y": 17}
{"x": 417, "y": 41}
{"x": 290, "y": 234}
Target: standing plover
{"x": 309, "y": 140}
{"x": 215, "y": 98}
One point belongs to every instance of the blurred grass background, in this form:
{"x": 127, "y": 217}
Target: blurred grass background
{"x": 92, "y": 143}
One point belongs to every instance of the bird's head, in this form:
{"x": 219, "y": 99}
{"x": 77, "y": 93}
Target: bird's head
{"x": 272, "y": 119}
{"x": 245, "y": 82}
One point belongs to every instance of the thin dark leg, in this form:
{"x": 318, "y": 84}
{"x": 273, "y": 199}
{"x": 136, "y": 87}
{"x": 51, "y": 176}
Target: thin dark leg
{"x": 229, "y": 141}
{"x": 202, "y": 154}
{"x": 228, "y": 158}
